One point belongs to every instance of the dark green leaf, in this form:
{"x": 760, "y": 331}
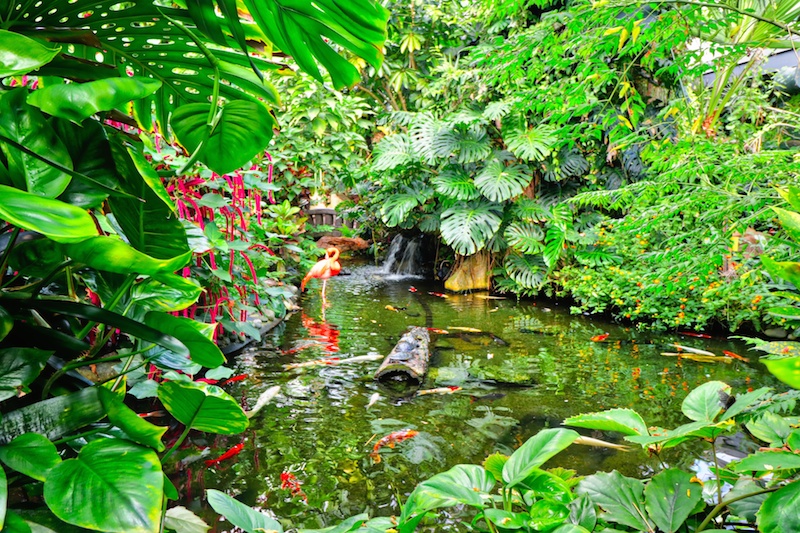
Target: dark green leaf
{"x": 112, "y": 486}
{"x": 31, "y": 454}
{"x": 111, "y": 254}
{"x": 3, "y": 497}
{"x": 79, "y": 101}
{"x": 670, "y": 497}
{"x": 535, "y": 452}
{"x": 240, "y": 515}
{"x": 748, "y": 507}
{"x": 15, "y": 524}
{"x": 20, "y": 55}
{"x": 6, "y": 323}
{"x": 779, "y": 513}
{"x": 203, "y": 407}
{"x": 620, "y": 497}
{"x": 136, "y": 427}
{"x": 202, "y": 349}
{"x": 19, "y": 367}
{"x": 59, "y": 221}
{"x": 583, "y": 513}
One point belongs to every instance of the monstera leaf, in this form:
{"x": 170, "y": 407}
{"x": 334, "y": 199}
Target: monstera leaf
{"x": 467, "y": 227}
{"x": 393, "y": 151}
{"x": 499, "y": 183}
{"x": 456, "y": 183}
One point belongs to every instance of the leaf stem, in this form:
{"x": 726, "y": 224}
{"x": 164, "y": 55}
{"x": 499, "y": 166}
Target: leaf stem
{"x": 722, "y": 504}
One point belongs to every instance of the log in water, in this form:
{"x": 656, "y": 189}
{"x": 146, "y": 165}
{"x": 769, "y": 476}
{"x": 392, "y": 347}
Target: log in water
{"x": 408, "y": 361}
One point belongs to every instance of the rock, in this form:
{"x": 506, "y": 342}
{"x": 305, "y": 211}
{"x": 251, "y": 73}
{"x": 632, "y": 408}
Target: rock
{"x": 344, "y": 244}
{"x": 776, "y": 333}
{"x": 470, "y": 273}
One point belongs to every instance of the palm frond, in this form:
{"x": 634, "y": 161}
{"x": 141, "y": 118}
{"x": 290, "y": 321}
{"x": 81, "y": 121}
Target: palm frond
{"x": 525, "y": 237}
{"x": 392, "y": 151}
{"x": 467, "y": 226}
{"x": 454, "y": 181}
{"x": 499, "y": 183}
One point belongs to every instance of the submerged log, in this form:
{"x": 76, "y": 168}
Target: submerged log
{"x": 408, "y": 361}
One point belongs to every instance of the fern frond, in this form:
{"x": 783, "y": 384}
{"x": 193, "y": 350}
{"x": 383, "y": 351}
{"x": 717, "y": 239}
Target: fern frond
{"x": 533, "y": 144}
{"x": 454, "y": 181}
{"x": 527, "y": 270}
{"x": 467, "y": 226}
{"x": 392, "y": 151}
{"x": 499, "y": 183}
{"x": 525, "y": 237}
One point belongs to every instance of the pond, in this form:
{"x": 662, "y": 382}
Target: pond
{"x": 522, "y": 366}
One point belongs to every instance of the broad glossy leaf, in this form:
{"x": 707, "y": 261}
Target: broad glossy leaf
{"x": 20, "y": 55}
{"x": 153, "y": 295}
{"x": 125, "y": 418}
{"x": 98, "y": 314}
{"x": 747, "y": 507}
{"x": 625, "y": 421}
{"x": 786, "y": 369}
{"x": 6, "y": 323}
{"x": 19, "y": 367}
{"x": 111, "y": 254}
{"x": 532, "y": 144}
{"x": 79, "y": 101}
{"x": 670, "y": 497}
{"x": 744, "y": 401}
{"x": 547, "y": 485}
{"x": 663, "y": 439}
{"x": 583, "y": 513}
{"x": 202, "y": 349}
{"x": 785, "y": 270}
{"x": 89, "y": 149}
{"x": 455, "y": 182}
{"x": 240, "y": 514}
{"x": 112, "y": 485}
{"x": 462, "y": 484}
{"x": 499, "y": 183}
{"x": 241, "y": 131}
{"x": 354, "y": 524}
{"x": 620, "y": 497}
{"x": 182, "y": 520}
{"x": 506, "y": 519}
{"x": 55, "y": 417}
{"x": 59, "y": 221}
{"x": 547, "y": 513}
{"x": 535, "y": 452}
{"x": 494, "y": 465}
{"x": 27, "y": 126}
{"x": 15, "y": 524}
{"x": 703, "y": 403}
{"x": 791, "y": 195}
{"x": 203, "y": 407}
{"x": 31, "y": 454}
{"x": 771, "y": 428}
{"x": 767, "y": 461}
{"x": 570, "y": 528}
{"x": 790, "y": 221}
{"x": 300, "y": 29}
{"x": 467, "y": 227}
{"x": 779, "y": 513}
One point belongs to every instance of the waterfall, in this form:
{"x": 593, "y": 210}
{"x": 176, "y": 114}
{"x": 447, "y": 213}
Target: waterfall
{"x": 403, "y": 256}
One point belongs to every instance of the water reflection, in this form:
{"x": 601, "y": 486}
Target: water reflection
{"x": 522, "y": 366}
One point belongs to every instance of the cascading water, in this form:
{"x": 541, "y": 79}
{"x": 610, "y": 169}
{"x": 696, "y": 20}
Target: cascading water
{"x": 403, "y": 257}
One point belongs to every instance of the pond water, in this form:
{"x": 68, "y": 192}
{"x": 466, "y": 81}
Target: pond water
{"x": 531, "y": 365}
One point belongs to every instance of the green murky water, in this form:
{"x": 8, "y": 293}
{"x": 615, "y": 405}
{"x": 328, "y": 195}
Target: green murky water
{"x": 533, "y": 365}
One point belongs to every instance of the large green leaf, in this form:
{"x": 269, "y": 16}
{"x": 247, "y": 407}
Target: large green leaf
{"x": 203, "y": 407}
{"x": 461, "y": 485}
{"x": 670, "y": 497}
{"x": 528, "y": 271}
{"x": 767, "y": 461}
{"x": 300, "y": 29}
{"x": 663, "y": 439}
{"x": 779, "y": 513}
{"x": 703, "y": 403}
{"x": 111, "y": 254}
{"x": 240, "y": 515}
{"x": 456, "y": 183}
{"x": 241, "y": 130}
{"x": 790, "y": 221}
{"x": 20, "y": 55}
{"x": 393, "y": 151}
{"x": 3, "y": 496}
{"x": 532, "y": 144}
{"x": 507, "y": 519}
{"x": 785, "y": 270}
{"x": 6, "y": 323}
{"x": 525, "y": 237}
{"x": 27, "y": 126}
{"x": 202, "y": 349}
{"x": 52, "y": 218}
{"x": 154, "y": 295}
{"x": 619, "y": 497}
{"x": 54, "y": 417}
{"x": 786, "y": 369}
{"x": 396, "y": 209}
{"x": 625, "y": 421}
{"x": 182, "y": 520}
{"x": 112, "y": 486}
{"x": 32, "y": 454}
{"x": 134, "y": 426}
{"x": 535, "y": 452}
{"x": 499, "y": 183}
{"x": 148, "y": 219}
{"x": 352, "y": 524}
{"x": 89, "y": 149}
{"x": 79, "y": 101}
{"x": 467, "y": 227}
{"x": 18, "y": 368}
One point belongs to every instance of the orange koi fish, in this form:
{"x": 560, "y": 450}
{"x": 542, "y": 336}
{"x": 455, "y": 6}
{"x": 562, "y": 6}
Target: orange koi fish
{"x": 441, "y": 390}
{"x": 390, "y": 440}
{"x": 234, "y": 379}
{"x": 693, "y": 334}
{"x": 438, "y": 294}
{"x": 736, "y": 356}
{"x": 412, "y": 289}
{"x": 599, "y": 338}
{"x": 439, "y": 331}
{"x": 292, "y": 484}
{"x": 227, "y": 455}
